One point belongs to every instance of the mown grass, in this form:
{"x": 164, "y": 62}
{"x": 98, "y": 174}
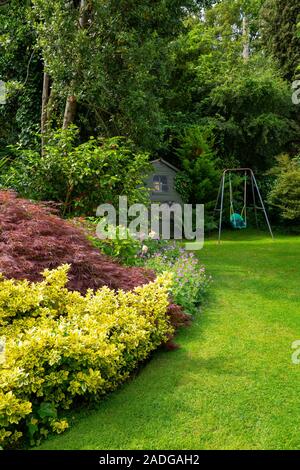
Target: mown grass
{"x": 232, "y": 385}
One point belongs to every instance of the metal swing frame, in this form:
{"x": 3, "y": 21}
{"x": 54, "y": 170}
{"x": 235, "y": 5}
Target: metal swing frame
{"x": 220, "y": 207}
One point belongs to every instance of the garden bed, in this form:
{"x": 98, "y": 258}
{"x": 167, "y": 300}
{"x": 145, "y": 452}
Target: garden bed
{"x": 74, "y": 322}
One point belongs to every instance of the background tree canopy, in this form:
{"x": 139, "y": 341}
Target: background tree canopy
{"x": 281, "y": 20}
{"x": 168, "y": 75}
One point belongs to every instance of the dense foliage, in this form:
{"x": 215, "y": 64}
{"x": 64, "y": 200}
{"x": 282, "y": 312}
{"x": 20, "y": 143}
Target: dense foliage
{"x": 285, "y": 194}
{"x": 62, "y": 347}
{"x": 79, "y": 177}
{"x": 160, "y": 74}
{"x": 21, "y": 69}
{"x": 110, "y": 57}
{"x": 243, "y": 103}
{"x": 281, "y": 34}
{"x": 199, "y": 178}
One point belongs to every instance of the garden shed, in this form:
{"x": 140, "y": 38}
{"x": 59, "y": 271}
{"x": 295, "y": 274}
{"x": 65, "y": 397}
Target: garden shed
{"x": 161, "y": 181}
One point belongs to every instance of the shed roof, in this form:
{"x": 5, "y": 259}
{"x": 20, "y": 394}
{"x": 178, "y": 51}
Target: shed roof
{"x": 164, "y": 162}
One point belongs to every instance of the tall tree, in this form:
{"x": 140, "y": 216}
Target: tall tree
{"x": 84, "y": 15}
{"x": 281, "y": 35}
{"x": 109, "y": 60}
{"x": 224, "y": 82}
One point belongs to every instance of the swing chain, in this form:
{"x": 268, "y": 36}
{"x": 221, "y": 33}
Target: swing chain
{"x": 244, "y": 210}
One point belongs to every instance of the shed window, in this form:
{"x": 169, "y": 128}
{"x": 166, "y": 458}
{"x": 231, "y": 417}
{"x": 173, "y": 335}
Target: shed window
{"x": 160, "y": 183}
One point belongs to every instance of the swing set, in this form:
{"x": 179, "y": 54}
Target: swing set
{"x": 239, "y": 220}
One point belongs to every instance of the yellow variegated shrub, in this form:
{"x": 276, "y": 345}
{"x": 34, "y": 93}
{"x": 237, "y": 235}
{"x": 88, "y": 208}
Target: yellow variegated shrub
{"x": 60, "y": 345}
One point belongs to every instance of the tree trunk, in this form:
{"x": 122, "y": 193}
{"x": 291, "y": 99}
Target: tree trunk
{"x": 246, "y": 39}
{"x": 70, "y": 111}
{"x": 45, "y": 100}
{"x": 50, "y": 107}
{"x": 71, "y": 104}
{"x": 83, "y": 14}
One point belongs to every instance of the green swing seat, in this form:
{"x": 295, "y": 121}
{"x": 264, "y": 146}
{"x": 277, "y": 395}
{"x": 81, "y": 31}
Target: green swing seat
{"x": 237, "y": 221}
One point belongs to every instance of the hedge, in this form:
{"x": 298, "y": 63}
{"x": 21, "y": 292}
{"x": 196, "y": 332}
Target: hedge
{"x": 62, "y": 346}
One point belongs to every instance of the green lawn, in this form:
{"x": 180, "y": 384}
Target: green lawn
{"x": 232, "y": 384}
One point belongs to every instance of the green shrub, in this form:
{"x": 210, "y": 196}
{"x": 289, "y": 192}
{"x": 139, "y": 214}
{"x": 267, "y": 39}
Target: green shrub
{"x": 122, "y": 246}
{"x": 61, "y": 346}
{"x": 285, "y": 194}
{"x": 183, "y": 185}
{"x": 80, "y": 177}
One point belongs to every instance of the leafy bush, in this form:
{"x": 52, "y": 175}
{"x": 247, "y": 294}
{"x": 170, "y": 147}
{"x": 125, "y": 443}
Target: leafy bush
{"x": 80, "y": 347}
{"x": 121, "y": 244}
{"x": 183, "y": 185}
{"x": 285, "y": 194}
{"x": 80, "y": 177}
{"x": 33, "y": 239}
{"x": 190, "y": 281}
